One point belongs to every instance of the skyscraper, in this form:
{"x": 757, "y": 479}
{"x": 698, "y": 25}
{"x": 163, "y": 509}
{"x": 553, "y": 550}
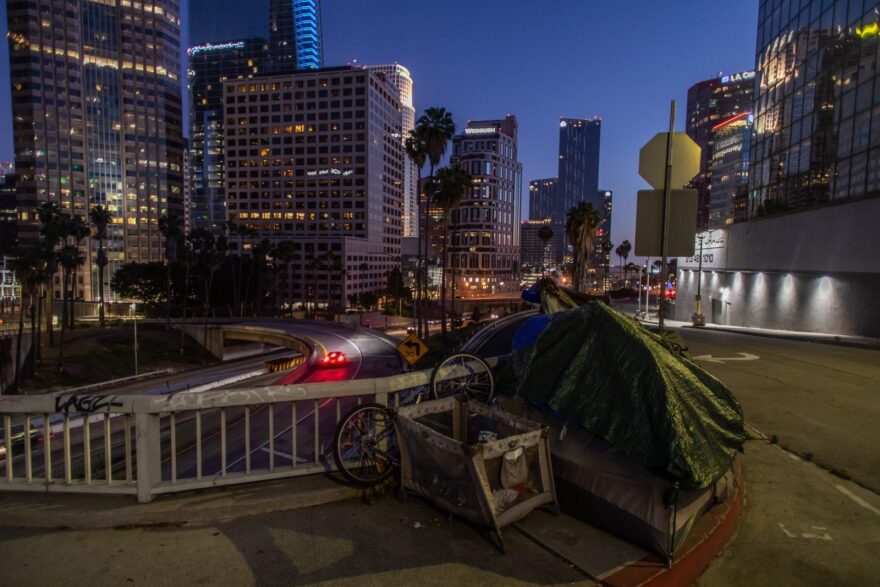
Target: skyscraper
{"x": 816, "y": 137}
{"x": 399, "y": 77}
{"x": 542, "y": 199}
{"x": 578, "y": 164}
{"x": 96, "y": 103}
{"x": 295, "y": 35}
{"x": 709, "y": 103}
{"x": 729, "y": 168}
{"x": 485, "y": 238}
{"x": 322, "y": 172}
{"x": 209, "y": 66}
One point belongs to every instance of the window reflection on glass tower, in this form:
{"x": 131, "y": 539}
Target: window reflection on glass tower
{"x": 295, "y": 34}
{"x": 209, "y": 66}
{"x": 96, "y": 105}
{"x": 817, "y": 122}
{"x": 578, "y": 165}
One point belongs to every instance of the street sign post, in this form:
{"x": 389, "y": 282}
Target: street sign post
{"x": 412, "y": 348}
{"x": 658, "y": 167}
{"x": 682, "y": 223}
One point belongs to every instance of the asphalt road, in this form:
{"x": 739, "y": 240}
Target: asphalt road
{"x": 821, "y": 401}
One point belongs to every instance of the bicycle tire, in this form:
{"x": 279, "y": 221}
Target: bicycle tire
{"x": 370, "y": 472}
{"x": 479, "y": 385}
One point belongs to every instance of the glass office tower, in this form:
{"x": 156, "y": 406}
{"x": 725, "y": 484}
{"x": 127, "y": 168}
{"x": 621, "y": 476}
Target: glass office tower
{"x": 578, "y": 165}
{"x": 816, "y": 136}
{"x": 209, "y": 66}
{"x": 295, "y": 34}
{"x": 96, "y": 100}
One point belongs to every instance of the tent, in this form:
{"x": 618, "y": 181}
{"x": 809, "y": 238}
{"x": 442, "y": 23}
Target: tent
{"x": 642, "y": 432}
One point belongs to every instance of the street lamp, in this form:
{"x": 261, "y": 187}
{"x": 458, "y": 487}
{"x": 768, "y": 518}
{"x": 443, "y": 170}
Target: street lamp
{"x": 133, "y": 310}
{"x": 698, "y": 319}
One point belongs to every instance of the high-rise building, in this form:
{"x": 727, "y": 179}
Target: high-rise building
{"x": 8, "y": 213}
{"x": 602, "y": 235}
{"x": 709, "y": 103}
{"x": 534, "y": 252}
{"x": 542, "y": 199}
{"x": 210, "y": 65}
{"x": 578, "y": 164}
{"x": 96, "y": 101}
{"x": 323, "y": 167}
{"x": 399, "y": 77}
{"x": 728, "y": 168}
{"x": 816, "y": 133}
{"x": 485, "y": 235}
{"x": 806, "y": 258}
{"x": 295, "y": 35}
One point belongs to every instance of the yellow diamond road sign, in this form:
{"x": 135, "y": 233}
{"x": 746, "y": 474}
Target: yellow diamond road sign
{"x": 412, "y": 349}
{"x": 685, "y": 160}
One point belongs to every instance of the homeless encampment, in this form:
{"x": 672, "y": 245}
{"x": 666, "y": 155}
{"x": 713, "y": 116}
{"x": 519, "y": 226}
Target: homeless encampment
{"x": 642, "y": 439}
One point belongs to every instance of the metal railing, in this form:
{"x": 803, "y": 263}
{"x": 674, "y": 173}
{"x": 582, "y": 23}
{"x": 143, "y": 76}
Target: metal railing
{"x": 150, "y": 445}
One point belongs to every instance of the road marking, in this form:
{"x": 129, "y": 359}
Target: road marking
{"x": 741, "y": 357}
{"x": 857, "y": 499}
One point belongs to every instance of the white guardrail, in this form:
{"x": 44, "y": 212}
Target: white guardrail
{"x": 149, "y": 445}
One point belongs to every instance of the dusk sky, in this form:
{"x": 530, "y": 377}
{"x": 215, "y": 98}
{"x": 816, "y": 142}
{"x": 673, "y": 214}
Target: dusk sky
{"x": 621, "y": 60}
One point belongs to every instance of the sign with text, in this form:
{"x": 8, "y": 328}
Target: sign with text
{"x": 412, "y": 348}
{"x": 714, "y": 251}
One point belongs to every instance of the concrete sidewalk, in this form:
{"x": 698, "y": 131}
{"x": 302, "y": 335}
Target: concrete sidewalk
{"x": 858, "y": 341}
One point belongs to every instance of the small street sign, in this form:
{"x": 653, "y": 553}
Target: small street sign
{"x": 412, "y": 349}
{"x": 685, "y": 160}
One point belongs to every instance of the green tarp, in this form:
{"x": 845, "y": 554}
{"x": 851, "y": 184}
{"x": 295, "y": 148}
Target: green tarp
{"x": 596, "y": 367}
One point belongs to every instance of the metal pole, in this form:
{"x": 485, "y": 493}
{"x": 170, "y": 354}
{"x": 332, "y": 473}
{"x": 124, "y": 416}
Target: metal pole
{"x": 134, "y": 311}
{"x": 647, "y": 287}
{"x": 698, "y": 318}
{"x": 664, "y": 237}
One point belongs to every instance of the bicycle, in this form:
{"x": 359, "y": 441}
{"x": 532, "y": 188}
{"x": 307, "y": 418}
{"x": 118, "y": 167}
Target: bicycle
{"x": 365, "y": 448}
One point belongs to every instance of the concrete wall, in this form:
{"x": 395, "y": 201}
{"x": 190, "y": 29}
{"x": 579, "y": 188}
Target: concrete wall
{"x": 814, "y": 271}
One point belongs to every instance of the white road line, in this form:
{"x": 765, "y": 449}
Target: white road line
{"x": 857, "y": 499}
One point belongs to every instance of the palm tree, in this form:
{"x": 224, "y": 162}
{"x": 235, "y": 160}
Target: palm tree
{"x": 188, "y": 258}
{"x": 285, "y": 252}
{"x": 453, "y": 184}
{"x": 77, "y": 230}
{"x": 545, "y": 233}
{"x": 630, "y": 268}
{"x": 259, "y": 255}
{"x": 169, "y": 228}
{"x": 101, "y": 217}
{"x": 27, "y": 263}
{"x": 232, "y": 229}
{"x": 580, "y": 225}
{"x": 69, "y": 257}
{"x": 436, "y": 127}
{"x": 51, "y": 230}
{"x": 417, "y": 150}
{"x": 251, "y": 233}
{"x": 622, "y": 252}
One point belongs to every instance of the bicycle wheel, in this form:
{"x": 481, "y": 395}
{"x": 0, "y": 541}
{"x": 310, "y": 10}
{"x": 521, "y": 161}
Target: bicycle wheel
{"x": 477, "y": 383}
{"x": 365, "y": 445}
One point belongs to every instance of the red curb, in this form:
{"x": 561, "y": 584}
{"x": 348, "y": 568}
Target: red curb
{"x": 710, "y": 536}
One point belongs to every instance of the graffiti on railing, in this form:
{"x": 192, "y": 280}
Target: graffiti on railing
{"x": 85, "y": 403}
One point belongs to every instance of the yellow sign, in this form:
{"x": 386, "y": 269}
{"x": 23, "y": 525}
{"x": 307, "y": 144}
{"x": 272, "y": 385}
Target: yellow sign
{"x": 412, "y": 349}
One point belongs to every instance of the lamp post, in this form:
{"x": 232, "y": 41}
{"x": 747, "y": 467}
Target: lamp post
{"x": 698, "y": 319}
{"x": 134, "y": 316}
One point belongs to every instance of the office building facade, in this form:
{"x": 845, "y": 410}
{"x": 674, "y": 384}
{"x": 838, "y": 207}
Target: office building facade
{"x": 295, "y": 35}
{"x": 578, "y": 178}
{"x": 322, "y": 167}
{"x": 535, "y": 254}
{"x": 542, "y": 199}
{"x": 96, "y": 101}
{"x": 709, "y": 103}
{"x": 399, "y": 77}
{"x": 210, "y": 65}
{"x": 486, "y": 225}
{"x": 729, "y": 170}
{"x": 8, "y": 213}
{"x": 805, "y": 259}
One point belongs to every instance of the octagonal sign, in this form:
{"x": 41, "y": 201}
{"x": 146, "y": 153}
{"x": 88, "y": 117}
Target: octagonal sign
{"x": 685, "y": 160}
